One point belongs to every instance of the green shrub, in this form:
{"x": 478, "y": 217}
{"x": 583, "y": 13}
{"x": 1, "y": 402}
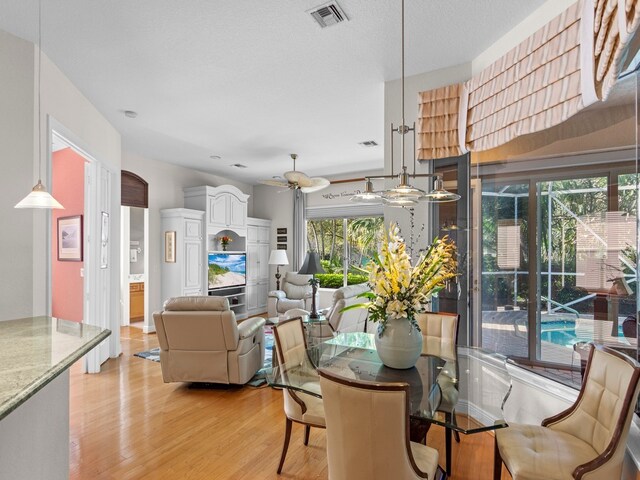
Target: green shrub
{"x": 336, "y": 280}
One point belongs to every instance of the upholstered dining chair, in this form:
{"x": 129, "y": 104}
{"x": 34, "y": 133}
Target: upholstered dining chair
{"x": 587, "y": 441}
{"x": 295, "y": 312}
{"x": 368, "y": 431}
{"x": 299, "y": 407}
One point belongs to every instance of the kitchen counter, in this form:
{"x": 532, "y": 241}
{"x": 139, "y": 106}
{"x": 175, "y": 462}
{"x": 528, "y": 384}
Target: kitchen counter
{"x": 36, "y": 350}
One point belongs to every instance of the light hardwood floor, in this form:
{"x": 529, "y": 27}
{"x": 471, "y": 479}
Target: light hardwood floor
{"x": 127, "y": 424}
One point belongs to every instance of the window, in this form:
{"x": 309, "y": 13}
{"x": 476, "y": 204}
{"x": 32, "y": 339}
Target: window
{"x": 345, "y": 246}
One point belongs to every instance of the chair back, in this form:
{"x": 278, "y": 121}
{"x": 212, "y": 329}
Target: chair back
{"x": 351, "y": 320}
{"x": 197, "y": 324}
{"x": 439, "y": 333}
{"x": 291, "y": 348}
{"x": 295, "y": 312}
{"x": 602, "y": 414}
{"x": 296, "y": 286}
{"x": 367, "y": 429}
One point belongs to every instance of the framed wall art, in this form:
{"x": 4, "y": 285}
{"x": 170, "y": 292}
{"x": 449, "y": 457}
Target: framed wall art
{"x": 70, "y": 239}
{"x": 170, "y": 247}
{"x": 104, "y": 241}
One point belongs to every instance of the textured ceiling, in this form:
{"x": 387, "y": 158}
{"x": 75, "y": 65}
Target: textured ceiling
{"x": 253, "y": 81}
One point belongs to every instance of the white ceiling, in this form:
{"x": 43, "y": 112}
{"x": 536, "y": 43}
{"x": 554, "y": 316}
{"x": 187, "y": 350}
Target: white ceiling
{"x": 255, "y": 80}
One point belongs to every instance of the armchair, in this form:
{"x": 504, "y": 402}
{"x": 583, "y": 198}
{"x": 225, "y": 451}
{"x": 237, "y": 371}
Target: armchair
{"x": 296, "y": 293}
{"x": 200, "y": 341}
{"x": 351, "y": 320}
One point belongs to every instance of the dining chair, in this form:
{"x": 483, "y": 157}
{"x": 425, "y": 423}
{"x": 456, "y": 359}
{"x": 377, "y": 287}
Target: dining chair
{"x": 295, "y": 312}
{"x": 291, "y": 349}
{"x": 368, "y": 431}
{"x": 587, "y": 441}
{"x": 439, "y": 338}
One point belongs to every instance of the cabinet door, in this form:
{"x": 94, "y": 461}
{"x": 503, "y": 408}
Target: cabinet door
{"x": 237, "y": 212}
{"x": 263, "y": 291}
{"x": 218, "y": 209}
{"x": 192, "y": 229}
{"x": 263, "y": 261}
{"x": 192, "y": 266}
{"x": 263, "y": 234}
{"x": 253, "y": 265}
{"x": 252, "y": 297}
{"x": 252, "y": 234}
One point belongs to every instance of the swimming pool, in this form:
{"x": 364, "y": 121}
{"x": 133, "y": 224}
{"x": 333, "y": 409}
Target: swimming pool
{"x": 563, "y": 332}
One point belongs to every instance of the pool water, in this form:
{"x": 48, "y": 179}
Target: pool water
{"x": 563, "y": 332}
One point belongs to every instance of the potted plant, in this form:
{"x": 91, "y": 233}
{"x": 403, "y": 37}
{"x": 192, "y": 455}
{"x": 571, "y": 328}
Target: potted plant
{"x": 400, "y": 290}
{"x": 225, "y": 241}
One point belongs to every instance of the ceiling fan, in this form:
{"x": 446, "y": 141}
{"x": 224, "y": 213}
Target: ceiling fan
{"x": 295, "y": 180}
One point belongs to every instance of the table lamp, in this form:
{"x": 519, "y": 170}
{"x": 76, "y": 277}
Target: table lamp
{"x": 311, "y": 266}
{"x": 279, "y": 258}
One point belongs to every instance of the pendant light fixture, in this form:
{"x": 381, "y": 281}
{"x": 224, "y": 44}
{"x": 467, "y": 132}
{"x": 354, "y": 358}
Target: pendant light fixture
{"x": 39, "y": 197}
{"x": 404, "y": 194}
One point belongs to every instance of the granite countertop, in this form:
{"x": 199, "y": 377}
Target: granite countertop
{"x": 35, "y": 350}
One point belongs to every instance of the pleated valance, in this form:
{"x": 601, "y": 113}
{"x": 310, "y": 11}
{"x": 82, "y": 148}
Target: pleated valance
{"x": 569, "y": 64}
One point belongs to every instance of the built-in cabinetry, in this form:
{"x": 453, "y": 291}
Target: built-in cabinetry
{"x": 258, "y": 240}
{"x": 184, "y": 276}
{"x": 136, "y": 300}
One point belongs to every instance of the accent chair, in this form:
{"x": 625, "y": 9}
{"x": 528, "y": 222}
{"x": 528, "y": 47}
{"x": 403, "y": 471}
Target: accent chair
{"x": 296, "y": 293}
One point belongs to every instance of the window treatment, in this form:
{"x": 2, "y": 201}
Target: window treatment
{"x": 569, "y": 64}
{"x": 299, "y": 230}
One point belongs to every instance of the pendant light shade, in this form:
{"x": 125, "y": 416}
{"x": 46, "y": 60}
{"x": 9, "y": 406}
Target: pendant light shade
{"x": 39, "y": 198}
{"x": 439, "y": 194}
{"x": 368, "y": 196}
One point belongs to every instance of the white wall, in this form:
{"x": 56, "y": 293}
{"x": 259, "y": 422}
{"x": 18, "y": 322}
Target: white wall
{"x": 16, "y": 138}
{"x": 166, "y": 183}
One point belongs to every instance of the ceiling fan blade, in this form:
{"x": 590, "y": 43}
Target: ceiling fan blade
{"x": 275, "y": 183}
{"x": 315, "y": 184}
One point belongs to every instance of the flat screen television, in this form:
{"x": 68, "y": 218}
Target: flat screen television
{"x": 227, "y": 270}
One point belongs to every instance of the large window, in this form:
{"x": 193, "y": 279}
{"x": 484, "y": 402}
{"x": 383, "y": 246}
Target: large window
{"x": 345, "y": 246}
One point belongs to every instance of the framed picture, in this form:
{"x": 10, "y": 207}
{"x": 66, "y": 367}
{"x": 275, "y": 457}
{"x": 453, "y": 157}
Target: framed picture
{"x": 282, "y": 239}
{"x": 104, "y": 241}
{"x": 70, "y": 239}
{"x": 170, "y": 247}
{"x": 281, "y": 231}
{"x": 282, "y": 246}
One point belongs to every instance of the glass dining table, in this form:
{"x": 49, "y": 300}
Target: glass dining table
{"x": 460, "y": 388}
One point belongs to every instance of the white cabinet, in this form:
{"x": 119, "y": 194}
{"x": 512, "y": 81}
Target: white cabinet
{"x": 225, "y": 207}
{"x": 184, "y": 276}
{"x": 258, "y": 249}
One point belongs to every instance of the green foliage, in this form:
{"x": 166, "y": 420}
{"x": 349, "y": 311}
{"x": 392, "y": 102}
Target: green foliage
{"x": 335, "y": 280}
{"x": 214, "y": 271}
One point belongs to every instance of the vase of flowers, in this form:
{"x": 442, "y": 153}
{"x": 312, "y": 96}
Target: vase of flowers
{"x": 400, "y": 290}
{"x": 225, "y": 241}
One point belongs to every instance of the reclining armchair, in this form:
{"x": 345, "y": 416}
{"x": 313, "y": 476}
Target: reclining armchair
{"x": 351, "y": 320}
{"x": 296, "y": 293}
{"x": 200, "y": 341}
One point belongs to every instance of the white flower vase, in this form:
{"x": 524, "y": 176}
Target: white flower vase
{"x": 400, "y": 345}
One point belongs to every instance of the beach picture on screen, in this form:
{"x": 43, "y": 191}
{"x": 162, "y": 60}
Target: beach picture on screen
{"x": 227, "y": 270}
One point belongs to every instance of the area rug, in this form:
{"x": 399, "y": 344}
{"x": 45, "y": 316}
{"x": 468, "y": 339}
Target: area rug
{"x": 258, "y": 379}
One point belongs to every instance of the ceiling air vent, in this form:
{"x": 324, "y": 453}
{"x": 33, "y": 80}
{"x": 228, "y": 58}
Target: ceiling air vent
{"x": 238, "y": 165}
{"x": 369, "y": 143}
{"x": 328, "y": 14}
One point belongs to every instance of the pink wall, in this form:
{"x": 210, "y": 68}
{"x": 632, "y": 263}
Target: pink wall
{"x": 68, "y": 188}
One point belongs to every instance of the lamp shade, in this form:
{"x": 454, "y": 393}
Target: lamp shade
{"x": 278, "y": 257}
{"x": 311, "y": 264}
{"x": 39, "y": 198}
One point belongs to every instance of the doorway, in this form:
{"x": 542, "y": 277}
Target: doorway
{"x": 134, "y": 243}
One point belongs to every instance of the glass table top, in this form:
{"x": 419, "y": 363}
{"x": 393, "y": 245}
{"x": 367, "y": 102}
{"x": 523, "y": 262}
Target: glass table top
{"x": 462, "y": 388}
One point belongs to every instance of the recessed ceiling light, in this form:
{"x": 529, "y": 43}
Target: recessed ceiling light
{"x": 130, "y": 114}
{"x": 215, "y": 157}
{"x": 238, "y": 165}
{"x": 368, "y": 143}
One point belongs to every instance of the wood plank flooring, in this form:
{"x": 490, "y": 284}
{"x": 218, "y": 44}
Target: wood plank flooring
{"x": 127, "y": 424}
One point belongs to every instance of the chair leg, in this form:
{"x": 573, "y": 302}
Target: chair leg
{"x": 497, "y": 461}
{"x": 287, "y": 437}
{"x": 307, "y": 429}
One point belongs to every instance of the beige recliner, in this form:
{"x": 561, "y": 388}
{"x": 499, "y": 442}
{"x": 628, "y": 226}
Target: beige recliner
{"x": 586, "y": 441}
{"x": 296, "y": 293}
{"x": 352, "y": 320}
{"x": 200, "y": 341}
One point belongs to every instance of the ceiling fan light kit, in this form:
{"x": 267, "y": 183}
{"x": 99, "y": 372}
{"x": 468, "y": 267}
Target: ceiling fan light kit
{"x": 404, "y": 194}
{"x": 296, "y": 180}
